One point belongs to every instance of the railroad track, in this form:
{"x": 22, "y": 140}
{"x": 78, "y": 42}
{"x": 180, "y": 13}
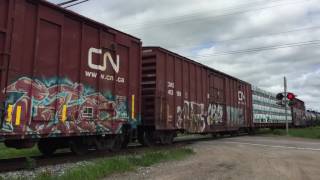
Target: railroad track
{"x": 23, "y": 163}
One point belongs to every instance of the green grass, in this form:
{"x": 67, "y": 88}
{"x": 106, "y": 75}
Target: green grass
{"x": 6, "y": 153}
{"x": 310, "y": 132}
{"x": 101, "y": 168}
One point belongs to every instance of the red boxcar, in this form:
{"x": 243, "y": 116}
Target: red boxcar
{"x": 181, "y": 94}
{"x": 63, "y": 74}
{"x": 298, "y": 111}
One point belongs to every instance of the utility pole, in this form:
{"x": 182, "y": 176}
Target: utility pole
{"x": 285, "y": 103}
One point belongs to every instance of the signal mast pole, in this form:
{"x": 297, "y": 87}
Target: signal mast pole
{"x": 285, "y": 103}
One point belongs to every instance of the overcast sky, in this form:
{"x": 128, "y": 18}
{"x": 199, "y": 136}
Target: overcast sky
{"x": 228, "y": 35}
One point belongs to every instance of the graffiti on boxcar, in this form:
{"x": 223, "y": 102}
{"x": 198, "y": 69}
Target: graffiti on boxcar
{"x": 47, "y": 103}
{"x": 215, "y": 114}
{"x": 235, "y": 116}
{"x": 194, "y": 117}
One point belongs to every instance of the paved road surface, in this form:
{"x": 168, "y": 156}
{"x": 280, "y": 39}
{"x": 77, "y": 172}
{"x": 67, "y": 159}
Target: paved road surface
{"x": 246, "y": 157}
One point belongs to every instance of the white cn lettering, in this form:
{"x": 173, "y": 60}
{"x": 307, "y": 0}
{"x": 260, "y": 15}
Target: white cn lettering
{"x": 241, "y": 96}
{"x": 115, "y": 66}
{"x": 106, "y": 56}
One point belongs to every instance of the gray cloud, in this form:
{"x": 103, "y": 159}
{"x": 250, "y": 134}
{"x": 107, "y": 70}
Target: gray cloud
{"x": 199, "y": 29}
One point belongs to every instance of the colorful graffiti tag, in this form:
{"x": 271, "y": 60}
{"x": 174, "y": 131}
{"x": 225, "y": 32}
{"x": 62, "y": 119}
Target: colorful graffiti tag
{"x": 235, "y": 116}
{"x": 193, "y": 116}
{"x": 60, "y": 106}
{"x": 215, "y": 114}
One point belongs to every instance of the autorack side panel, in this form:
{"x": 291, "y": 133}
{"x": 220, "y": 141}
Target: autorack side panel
{"x": 69, "y": 75}
{"x": 266, "y": 112}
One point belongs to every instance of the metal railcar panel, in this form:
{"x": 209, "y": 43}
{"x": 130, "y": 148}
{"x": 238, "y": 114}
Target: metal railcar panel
{"x": 203, "y": 99}
{"x": 298, "y": 112}
{"x": 66, "y": 75}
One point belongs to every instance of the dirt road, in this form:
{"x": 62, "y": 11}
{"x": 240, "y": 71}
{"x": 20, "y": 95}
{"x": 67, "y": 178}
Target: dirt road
{"x": 266, "y": 158}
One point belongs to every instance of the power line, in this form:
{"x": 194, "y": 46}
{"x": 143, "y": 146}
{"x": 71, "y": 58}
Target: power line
{"x": 257, "y": 36}
{"x": 70, "y": 2}
{"x": 208, "y": 17}
{"x": 76, "y": 3}
{"x": 254, "y": 50}
{"x": 219, "y": 53}
{"x": 200, "y": 11}
{"x": 66, "y": 2}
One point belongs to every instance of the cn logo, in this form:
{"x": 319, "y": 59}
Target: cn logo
{"x": 241, "y": 96}
{"x": 106, "y": 56}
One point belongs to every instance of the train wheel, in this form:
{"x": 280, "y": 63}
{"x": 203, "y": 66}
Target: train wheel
{"x": 47, "y": 148}
{"x": 127, "y": 134}
{"x": 214, "y": 135}
{"x": 116, "y": 143}
{"x": 101, "y": 144}
{"x": 125, "y": 142}
{"x": 78, "y": 147}
{"x": 166, "y": 138}
{"x": 146, "y": 138}
{"x": 251, "y": 131}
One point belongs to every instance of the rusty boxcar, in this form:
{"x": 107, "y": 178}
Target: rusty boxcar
{"x": 64, "y": 76}
{"x": 298, "y": 111}
{"x": 179, "y": 94}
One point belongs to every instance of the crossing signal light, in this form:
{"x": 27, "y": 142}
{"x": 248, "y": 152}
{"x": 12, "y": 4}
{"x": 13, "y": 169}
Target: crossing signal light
{"x": 290, "y": 96}
{"x": 280, "y": 96}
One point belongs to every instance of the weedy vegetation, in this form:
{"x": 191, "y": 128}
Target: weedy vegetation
{"x": 101, "y": 168}
{"x": 309, "y": 132}
{"x": 7, "y": 153}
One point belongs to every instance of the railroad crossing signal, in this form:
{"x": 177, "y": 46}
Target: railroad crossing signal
{"x": 280, "y": 96}
{"x": 290, "y": 97}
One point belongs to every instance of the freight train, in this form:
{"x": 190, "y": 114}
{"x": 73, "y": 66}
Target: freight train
{"x": 312, "y": 118}
{"x": 69, "y": 82}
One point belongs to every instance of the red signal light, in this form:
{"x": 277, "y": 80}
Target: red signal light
{"x": 290, "y": 96}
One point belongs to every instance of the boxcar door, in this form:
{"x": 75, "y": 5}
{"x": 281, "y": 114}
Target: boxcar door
{"x": 216, "y": 103}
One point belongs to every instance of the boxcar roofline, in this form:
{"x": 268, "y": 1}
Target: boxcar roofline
{"x": 72, "y": 13}
{"x": 195, "y": 62}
